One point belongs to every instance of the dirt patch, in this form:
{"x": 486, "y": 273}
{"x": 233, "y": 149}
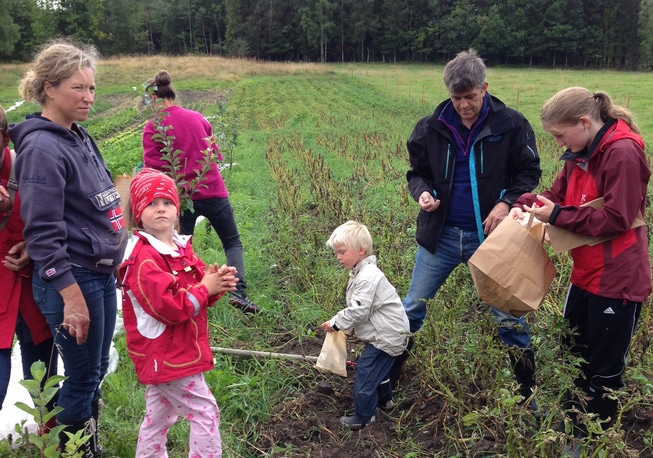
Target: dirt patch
{"x": 308, "y": 423}
{"x": 118, "y": 102}
{"x": 199, "y": 100}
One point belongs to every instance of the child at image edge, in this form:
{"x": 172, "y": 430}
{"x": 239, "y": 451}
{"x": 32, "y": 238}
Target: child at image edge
{"x": 375, "y": 315}
{"x": 166, "y": 289}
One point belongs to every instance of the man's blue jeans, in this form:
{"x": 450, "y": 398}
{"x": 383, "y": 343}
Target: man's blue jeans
{"x": 431, "y": 271}
{"x": 85, "y": 365}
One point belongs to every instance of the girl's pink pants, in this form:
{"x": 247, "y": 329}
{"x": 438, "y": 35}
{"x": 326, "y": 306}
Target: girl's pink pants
{"x": 189, "y": 398}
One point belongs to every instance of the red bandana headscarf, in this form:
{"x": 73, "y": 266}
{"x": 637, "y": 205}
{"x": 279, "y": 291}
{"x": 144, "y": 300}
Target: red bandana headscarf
{"x": 147, "y": 186}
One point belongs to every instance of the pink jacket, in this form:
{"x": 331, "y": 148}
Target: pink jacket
{"x": 190, "y": 131}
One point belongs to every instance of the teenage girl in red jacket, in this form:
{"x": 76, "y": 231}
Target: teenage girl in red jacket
{"x": 610, "y": 280}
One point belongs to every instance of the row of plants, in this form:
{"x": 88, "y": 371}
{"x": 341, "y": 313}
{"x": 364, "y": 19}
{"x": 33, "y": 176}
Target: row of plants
{"x": 312, "y": 151}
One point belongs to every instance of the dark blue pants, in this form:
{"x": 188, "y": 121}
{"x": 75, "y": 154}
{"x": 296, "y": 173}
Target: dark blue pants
{"x": 372, "y": 368}
{"x": 29, "y": 353}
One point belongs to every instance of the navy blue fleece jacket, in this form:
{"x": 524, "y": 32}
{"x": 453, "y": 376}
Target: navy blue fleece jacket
{"x": 68, "y": 202}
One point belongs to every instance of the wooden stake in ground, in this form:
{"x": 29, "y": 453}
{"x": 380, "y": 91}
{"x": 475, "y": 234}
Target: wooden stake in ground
{"x": 263, "y": 354}
{"x": 269, "y": 354}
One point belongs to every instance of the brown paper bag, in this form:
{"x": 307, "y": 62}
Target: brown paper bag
{"x": 333, "y": 357}
{"x": 122, "y": 182}
{"x": 563, "y": 240}
{"x": 511, "y": 269}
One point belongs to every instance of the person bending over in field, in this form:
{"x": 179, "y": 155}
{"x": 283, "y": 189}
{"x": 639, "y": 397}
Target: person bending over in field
{"x": 373, "y": 314}
{"x": 192, "y": 137}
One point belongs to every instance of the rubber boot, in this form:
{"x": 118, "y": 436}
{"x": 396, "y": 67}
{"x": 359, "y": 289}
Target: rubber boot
{"x": 573, "y": 407}
{"x": 89, "y": 429}
{"x": 384, "y": 393}
{"x": 523, "y": 364}
{"x": 398, "y": 366}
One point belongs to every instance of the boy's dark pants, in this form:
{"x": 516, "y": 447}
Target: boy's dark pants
{"x": 372, "y": 368}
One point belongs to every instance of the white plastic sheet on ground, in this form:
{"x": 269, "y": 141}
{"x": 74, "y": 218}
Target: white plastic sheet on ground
{"x": 12, "y": 415}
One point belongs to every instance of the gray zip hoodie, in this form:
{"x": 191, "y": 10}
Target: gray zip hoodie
{"x": 69, "y": 204}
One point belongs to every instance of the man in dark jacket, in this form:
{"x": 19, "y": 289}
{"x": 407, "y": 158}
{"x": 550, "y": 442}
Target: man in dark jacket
{"x": 470, "y": 160}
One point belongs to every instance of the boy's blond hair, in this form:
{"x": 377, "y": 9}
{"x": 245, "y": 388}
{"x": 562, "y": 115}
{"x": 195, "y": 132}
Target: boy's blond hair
{"x": 353, "y": 235}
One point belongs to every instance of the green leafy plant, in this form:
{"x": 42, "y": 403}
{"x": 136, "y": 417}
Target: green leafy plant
{"x": 43, "y": 443}
{"x": 226, "y": 123}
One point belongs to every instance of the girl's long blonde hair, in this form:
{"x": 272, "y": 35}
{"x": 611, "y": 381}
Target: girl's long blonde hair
{"x": 568, "y": 105}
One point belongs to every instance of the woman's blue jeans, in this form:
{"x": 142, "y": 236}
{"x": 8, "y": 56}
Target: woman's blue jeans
{"x": 432, "y": 270}
{"x": 85, "y": 365}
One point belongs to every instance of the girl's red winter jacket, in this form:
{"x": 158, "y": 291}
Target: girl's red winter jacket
{"x": 164, "y": 310}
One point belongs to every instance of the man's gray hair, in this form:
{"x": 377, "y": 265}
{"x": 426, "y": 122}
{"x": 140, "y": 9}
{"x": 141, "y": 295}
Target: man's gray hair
{"x": 465, "y": 72}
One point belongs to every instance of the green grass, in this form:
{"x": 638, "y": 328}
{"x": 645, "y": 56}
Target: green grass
{"x": 316, "y": 149}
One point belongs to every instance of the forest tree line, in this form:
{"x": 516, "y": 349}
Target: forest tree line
{"x": 559, "y": 33}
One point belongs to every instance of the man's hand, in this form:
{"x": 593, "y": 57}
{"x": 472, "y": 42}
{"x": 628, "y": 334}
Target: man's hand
{"x": 497, "y": 214}
{"x": 427, "y": 202}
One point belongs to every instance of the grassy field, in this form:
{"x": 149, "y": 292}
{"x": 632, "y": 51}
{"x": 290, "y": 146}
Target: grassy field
{"x": 316, "y": 145}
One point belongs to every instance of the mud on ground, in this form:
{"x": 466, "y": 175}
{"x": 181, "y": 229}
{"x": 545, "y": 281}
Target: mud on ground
{"x": 308, "y": 423}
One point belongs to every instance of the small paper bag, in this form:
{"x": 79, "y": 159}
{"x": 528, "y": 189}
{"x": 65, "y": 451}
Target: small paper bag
{"x": 333, "y": 357}
{"x": 511, "y": 270}
{"x": 122, "y": 183}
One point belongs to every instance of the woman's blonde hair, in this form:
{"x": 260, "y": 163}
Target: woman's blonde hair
{"x": 568, "y": 105}
{"x": 352, "y": 235}
{"x": 57, "y": 60}
{"x": 3, "y": 121}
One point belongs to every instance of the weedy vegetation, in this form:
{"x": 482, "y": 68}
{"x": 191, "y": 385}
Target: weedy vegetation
{"x": 308, "y": 147}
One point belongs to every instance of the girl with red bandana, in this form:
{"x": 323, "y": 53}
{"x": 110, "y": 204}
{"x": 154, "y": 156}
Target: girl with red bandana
{"x": 166, "y": 289}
